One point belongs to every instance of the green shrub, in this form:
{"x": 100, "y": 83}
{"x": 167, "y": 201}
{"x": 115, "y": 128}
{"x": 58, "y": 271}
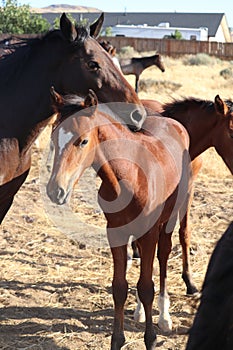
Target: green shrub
{"x": 200, "y": 59}
{"x": 226, "y": 73}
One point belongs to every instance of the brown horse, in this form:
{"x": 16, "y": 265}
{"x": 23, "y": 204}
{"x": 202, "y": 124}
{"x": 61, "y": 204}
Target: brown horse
{"x": 70, "y": 59}
{"x": 136, "y": 65}
{"x": 145, "y": 183}
{"x": 209, "y": 124}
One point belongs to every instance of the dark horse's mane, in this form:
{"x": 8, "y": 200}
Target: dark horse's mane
{"x": 12, "y": 64}
{"x": 183, "y": 105}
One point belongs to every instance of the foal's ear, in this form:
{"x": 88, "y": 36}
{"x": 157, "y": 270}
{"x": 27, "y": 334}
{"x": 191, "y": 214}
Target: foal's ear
{"x": 95, "y": 27}
{"x": 91, "y": 100}
{"x": 67, "y": 28}
{"x": 57, "y": 99}
{"x": 220, "y": 106}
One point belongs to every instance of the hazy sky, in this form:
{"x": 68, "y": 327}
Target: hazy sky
{"x": 223, "y": 6}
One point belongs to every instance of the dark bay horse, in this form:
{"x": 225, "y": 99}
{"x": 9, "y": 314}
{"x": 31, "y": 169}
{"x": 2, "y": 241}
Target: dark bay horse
{"x": 136, "y": 65}
{"x": 70, "y": 59}
{"x": 145, "y": 183}
{"x": 209, "y": 124}
{"x": 212, "y": 328}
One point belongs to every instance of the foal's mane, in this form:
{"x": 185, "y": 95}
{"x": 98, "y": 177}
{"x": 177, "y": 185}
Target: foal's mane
{"x": 185, "y": 104}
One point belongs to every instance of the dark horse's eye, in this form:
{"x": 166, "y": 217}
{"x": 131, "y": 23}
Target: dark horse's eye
{"x": 93, "y": 65}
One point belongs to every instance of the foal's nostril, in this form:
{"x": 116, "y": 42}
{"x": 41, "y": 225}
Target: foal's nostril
{"x": 60, "y": 193}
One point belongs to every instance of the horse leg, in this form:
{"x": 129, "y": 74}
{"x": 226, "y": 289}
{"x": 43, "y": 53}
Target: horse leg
{"x": 136, "y": 254}
{"x": 145, "y": 286}
{"x": 185, "y": 234}
{"x": 7, "y": 193}
{"x": 164, "y": 249}
{"x": 136, "y": 83}
{"x": 119, "y": 291}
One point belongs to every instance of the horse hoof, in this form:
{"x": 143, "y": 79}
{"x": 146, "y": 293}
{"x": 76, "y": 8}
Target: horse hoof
{"x": 150, "y": 341}
{"x": 117, "y": 342}
{"x": 139, "y": 315}
{"x": 192, "y": 290}
{"x": 165, "y": 325}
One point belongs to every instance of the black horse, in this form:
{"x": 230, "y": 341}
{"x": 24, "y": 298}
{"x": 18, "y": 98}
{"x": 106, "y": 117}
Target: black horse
{"x": 213, "y": 324}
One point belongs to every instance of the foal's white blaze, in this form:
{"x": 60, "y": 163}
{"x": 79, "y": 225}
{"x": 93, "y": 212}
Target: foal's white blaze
{"x": 63, "y": 138}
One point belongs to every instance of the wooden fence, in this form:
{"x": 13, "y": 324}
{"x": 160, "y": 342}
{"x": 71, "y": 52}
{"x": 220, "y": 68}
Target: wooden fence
{"x": 174, "y": 48}
{"x": 166, "y": 47}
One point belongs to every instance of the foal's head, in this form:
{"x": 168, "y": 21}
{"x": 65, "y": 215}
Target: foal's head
{"x": 74, "y": 139}
{"x": 158, "y": 61}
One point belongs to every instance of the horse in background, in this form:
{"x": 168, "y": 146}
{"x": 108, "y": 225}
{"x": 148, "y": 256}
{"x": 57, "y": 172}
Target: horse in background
{"x": 212, "y": 328}
{"x": 134, "y": 65}
{"x": 70, "y": 59}
{"x": 145, "y": 184}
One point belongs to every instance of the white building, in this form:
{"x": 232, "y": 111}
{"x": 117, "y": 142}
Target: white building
{"x": 161, "y": 31}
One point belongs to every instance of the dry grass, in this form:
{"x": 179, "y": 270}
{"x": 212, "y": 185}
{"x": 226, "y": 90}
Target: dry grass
{"x": 56, "y": 296}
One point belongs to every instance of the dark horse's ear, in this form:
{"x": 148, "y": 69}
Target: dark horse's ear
{"x": 67, "y": 28}
{"x": 91, "y": 100}
{"x": 57, "y": 99}
{"x": 96, "y": 26}
{"x": 220, "y": 106}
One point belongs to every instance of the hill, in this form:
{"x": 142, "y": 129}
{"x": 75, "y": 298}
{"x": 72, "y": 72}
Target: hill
{"x": 65, "y": 8}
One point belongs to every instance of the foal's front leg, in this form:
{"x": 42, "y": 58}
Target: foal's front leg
{"x": 119, "y": 291}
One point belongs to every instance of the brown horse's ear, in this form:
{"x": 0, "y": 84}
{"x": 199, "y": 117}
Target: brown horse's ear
{"x": 57, "y": 99}
{"x": 91, "y": 100}
{"x": 220, "y": 106}
{"x": 96, "y": 26}
{"x": 67, "y": 28}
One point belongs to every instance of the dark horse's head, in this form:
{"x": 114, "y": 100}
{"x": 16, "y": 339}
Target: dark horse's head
{"x": 72, "y": 61}
{"x": 85, "y": 65}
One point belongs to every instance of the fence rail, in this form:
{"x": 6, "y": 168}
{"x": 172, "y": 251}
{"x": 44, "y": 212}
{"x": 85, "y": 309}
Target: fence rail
{"x": 174, "y": 48}
{"x": 166, "y": 47}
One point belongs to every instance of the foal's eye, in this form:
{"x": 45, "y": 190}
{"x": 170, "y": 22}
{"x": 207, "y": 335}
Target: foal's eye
{"x": 93, "y": 65}
{"x": 81, "y": 143}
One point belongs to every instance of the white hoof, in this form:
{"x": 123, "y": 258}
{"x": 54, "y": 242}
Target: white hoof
{"x": 139, "y": 314}
{"x": 165, "y": 324}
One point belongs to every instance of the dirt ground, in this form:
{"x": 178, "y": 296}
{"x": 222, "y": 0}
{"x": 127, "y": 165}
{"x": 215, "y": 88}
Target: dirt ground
{"x": 55, "y": 293}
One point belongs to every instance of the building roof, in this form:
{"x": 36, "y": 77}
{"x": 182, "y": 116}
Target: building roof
{"x": 175, "y": 19}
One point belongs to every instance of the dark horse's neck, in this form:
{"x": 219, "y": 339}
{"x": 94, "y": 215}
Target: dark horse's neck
{"x": 26, "y": 76}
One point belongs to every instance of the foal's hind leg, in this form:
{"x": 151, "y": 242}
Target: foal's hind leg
{"x": 119, "y": 291}
{"x": 164, "y": 249}
{"x": 145, "y": 284}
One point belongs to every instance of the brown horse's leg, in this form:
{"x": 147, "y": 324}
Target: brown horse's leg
{"x": 145, "y": 286}
{"x": 119, "y": 291}
{"x": 185, "y": 234}
{"x": 164, "y": 249}
{"x": 7, "y": 192}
